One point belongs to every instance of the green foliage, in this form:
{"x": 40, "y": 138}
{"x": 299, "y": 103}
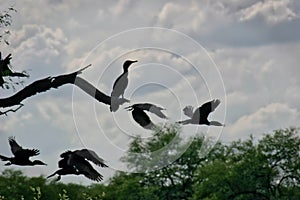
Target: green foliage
{"x": 266, "y": 169}
{"x": 243, "y": 170}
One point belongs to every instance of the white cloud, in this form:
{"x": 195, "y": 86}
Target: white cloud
{"x": 272, "y": 116}
{"x": 259, "y": 67}
{"x": 272, "y": 11}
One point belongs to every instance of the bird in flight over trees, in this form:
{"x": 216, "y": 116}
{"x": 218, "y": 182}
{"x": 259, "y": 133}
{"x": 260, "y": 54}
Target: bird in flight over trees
{"x": 77, "y": 163}
{"x": 142, "y": 118}
{"x": 21, "y": 156}
{"x": 200, "y": 115}
{"x": 120, "y": 84}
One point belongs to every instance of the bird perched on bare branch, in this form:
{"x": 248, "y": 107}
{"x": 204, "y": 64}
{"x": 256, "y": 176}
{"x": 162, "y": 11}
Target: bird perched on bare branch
{"x": 76, "y": 163}
{"x": 142, "y": 118}
{"x": 200, "y": 115}
{"x": 121, "y": 83}
{"x": 21, "y": 156}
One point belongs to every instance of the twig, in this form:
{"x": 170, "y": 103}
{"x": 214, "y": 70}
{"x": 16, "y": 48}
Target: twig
{"x": 11, "y": 110}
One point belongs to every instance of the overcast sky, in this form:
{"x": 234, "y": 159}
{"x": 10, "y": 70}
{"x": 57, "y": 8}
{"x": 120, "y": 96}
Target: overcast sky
{"x": 244, "y": 52}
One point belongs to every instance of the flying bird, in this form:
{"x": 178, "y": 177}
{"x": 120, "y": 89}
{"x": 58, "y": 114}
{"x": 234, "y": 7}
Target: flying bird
{"x": 121, "y": 83}
{"x": 21, "y": 156}
{"x": 142, "y": 118}
{"x": 76, "y": 163}
{"x": 200, "y": 115}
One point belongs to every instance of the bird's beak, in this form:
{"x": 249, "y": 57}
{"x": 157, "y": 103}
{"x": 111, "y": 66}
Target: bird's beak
{"x": 128, "y": 108}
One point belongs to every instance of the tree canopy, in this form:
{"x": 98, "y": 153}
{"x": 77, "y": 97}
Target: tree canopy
{"x": 266, "y": 168}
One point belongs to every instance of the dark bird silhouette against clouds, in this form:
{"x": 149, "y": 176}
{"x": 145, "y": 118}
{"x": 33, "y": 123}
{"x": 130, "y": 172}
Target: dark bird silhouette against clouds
{"x": 138, "y": 114}
{"x": 77, "y": 163}
{"x": 21, "y": 156}
{"x": 200, "y": 115}
{"x": 121, "y": 83}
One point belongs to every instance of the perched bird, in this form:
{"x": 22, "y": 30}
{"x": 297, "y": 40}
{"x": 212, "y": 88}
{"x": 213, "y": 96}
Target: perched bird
{"x": 6, "y": 71}
{"x": 21, "y": 156}
{"x": 141, "y": 117}
{"x": 76, "y": 162}
{"x": 120, "y": 84}
{"x": 199, "y": 116}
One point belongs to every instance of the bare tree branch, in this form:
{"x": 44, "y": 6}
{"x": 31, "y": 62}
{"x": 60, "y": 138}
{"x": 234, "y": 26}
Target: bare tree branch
{"x": 11, "y": 110}
{"x": 45, "y": 84}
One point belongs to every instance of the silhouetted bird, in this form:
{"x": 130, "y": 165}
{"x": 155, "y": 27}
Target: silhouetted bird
{"x": 199, "y": 116}
{"x": 121, "y": 83}
{"x": 141, "y": 117}
{"x": 21, "y": 156}
{"x": 75, "y": 162}
{"x": 6, "y": 71}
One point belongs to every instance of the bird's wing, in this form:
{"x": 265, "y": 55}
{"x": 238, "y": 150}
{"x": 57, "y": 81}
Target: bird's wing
{"x": 18, "y": 151}
{"x": 63, "y": 163}
{"x": 120, "y": 85}
{"x": 85, "y": 168}
{"x": 142, "y": 119}
{"x": 65, "y": 154}
{"x": 157, "y": 110}
{"x": 30, "y": 152}
{"x": 208, "y": 107}
{"x": 14, "y": 146}
{"x": 188, "y": 111}
{"x": 91, "y": 156}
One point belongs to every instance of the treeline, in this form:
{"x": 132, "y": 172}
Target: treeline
{"x": 268, "y": 168}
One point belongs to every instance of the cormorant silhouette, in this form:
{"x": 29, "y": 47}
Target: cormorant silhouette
{"x": 121, "y": 84}
{"x": 75, "y": 162}
{"x": 141, "y": 117}
{"x": 21, "y": 156}
{"x": 199, "y": 116}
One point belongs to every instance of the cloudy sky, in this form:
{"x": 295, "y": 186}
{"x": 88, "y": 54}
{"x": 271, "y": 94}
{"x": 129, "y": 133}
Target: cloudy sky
{"x": 244, "y": 52}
